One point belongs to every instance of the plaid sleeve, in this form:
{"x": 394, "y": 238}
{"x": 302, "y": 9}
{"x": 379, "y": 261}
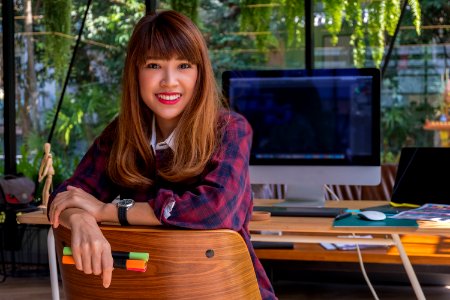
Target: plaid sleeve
{"x": 222, "y": 199}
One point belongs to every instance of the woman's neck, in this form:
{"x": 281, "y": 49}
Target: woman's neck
{"x": 164, "y": 129}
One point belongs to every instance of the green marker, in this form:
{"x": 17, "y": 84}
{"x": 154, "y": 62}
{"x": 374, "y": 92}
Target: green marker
{"x": 118, "y": 254}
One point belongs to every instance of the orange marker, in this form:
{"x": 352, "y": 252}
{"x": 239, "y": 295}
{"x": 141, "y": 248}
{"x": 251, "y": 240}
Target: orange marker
{"x": 128, "y": 264}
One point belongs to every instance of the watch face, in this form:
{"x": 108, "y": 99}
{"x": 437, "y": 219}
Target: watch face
{"x": 126, "y": 203}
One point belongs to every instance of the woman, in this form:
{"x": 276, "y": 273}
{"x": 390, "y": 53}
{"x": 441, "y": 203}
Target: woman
{"x": 173, "y": 155}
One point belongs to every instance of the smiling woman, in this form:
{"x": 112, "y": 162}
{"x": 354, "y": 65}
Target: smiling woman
{"x": 174, "y": 156}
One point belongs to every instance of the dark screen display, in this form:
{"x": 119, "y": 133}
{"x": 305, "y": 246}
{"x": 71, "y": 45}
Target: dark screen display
{"x": 322, "y": 118}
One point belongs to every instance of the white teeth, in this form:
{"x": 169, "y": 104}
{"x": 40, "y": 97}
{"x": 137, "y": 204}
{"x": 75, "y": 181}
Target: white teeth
{"x": 169, "y": 97}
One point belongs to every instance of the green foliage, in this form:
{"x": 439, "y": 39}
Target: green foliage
{"x": 375, "y": 30}
{"x": 28, "y": 163}
{"x": 256, "y": 18}
{"x": 334, "y": 11}
{"x": 225, "y": 49}
{"x": 391, "y": 15}
{"x": 416, "y": 11}
{"x": 354, "y": 16}
{"x": 402, "y": 126}
{"x": 260, "y": 16}
{"x": 188, "y": 8}
{"x": 292, "y": 10}
{"x": 57, "y": 20}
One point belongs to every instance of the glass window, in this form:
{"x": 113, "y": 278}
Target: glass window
{"x": 241, "y": 34}
{"x": 46, "y": 34}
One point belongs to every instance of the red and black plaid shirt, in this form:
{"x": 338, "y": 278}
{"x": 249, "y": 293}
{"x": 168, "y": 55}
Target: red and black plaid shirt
{"x": 220, "y": 198}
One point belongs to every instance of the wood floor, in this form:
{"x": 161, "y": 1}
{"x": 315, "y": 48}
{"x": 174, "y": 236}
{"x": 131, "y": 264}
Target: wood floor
{"x": 38, "y": 288}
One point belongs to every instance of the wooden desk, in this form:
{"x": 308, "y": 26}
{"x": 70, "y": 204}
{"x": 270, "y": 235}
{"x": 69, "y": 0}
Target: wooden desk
{"x": 317, "y": 230}
{"x": 300, "y": 230}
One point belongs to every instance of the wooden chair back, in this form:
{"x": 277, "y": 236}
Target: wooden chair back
{"x": 183, "y": 264}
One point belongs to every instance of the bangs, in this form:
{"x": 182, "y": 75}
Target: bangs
{"x": 163, "y": 41}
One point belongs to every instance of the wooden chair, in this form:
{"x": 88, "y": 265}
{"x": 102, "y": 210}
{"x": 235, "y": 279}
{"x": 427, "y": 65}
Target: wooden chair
{"x": 183, "y": 264}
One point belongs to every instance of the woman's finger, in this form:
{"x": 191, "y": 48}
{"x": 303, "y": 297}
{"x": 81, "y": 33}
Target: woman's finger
{"x": 86, "y": 258}
{"x": 76, "y": 253}
{"x": 96, "y": 262}
{"x": 107, "y": 268}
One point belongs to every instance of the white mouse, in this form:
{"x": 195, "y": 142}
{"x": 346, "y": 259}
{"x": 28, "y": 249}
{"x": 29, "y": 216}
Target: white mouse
{"x": 372, "y": 215}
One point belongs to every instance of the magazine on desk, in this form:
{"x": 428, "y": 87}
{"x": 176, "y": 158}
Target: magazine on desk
{"x": 439, "y": 213}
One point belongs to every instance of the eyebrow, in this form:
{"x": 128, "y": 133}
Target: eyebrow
{"x": 163, "y": 58}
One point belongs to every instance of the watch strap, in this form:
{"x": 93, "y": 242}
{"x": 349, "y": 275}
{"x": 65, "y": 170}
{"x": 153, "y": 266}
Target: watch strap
{"x": 122, "y": 214}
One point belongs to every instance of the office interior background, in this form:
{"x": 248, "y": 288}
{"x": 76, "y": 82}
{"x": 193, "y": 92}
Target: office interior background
{"x": 408, "y": 40}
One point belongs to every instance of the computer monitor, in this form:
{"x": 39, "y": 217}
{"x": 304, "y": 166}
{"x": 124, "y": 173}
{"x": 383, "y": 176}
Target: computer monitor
{"x": 310, "y": 127}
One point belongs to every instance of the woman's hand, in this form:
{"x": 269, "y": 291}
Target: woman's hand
{"x": 75, "y": 198}
{"x": 90, "y": 249}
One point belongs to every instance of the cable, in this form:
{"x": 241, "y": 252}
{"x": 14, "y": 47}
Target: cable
{"x": 360, "y": 259}
{"x": 332, "y": 193}
{"x": 363, "y": 270}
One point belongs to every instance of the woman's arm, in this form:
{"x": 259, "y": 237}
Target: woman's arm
{"x": 90, "y": 250}
{"x": 139, "y": 214}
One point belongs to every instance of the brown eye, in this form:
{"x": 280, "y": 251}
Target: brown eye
{"x": 185, "y": 66}
{"x": 152, "y": 66}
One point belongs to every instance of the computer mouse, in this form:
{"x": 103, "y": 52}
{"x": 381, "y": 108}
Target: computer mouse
{"x": 372, "y": 215}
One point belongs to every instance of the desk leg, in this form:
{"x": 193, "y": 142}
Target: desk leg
{"x": 408, "y": 267}
{"x": 52, "y": 262}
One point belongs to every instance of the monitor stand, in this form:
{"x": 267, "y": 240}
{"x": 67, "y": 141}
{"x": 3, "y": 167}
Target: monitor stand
{"x": 308, "y": 195}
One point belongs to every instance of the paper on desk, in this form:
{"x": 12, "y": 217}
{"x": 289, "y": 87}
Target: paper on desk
{"x": 349, "y": 246}
{"x": 428, "y": 212}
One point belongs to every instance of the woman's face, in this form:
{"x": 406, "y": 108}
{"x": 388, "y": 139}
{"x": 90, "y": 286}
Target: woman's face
{"x": 167, "y": 87}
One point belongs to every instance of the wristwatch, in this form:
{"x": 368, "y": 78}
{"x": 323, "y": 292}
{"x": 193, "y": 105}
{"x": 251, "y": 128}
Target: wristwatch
{"x": 123, "y": 205}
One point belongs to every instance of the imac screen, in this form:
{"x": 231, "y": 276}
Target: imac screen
{"x": 324, "y": 117}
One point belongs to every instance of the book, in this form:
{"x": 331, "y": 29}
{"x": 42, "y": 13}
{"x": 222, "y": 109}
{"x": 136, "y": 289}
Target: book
{"x": 427, "y": 212}
{"x": 355, "y": 221}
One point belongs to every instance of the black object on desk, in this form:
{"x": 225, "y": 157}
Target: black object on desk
{"x": 301, "y": 211}
{"x": 272, "y": 245}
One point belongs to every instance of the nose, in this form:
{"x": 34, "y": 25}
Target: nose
{"x": 169, "y": 79}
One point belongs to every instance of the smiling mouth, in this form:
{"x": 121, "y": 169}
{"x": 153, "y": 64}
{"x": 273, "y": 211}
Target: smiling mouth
{"x": 168, "y": 99}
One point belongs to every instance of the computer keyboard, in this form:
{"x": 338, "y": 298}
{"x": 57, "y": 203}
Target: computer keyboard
{"x": 301, "y": 211}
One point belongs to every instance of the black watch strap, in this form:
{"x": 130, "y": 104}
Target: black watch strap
{"x": 123, "y": 216}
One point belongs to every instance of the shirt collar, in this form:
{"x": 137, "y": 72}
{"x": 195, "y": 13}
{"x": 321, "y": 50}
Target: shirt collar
{"x": 168, "y": 143}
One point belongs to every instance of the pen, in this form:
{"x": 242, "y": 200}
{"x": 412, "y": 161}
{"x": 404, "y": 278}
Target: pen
{"x": 343, "y": 215}
{"x": 118, "y": 254}
{"x": 128, "y": 264}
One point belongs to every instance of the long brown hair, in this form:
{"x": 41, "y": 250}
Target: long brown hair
{"x": 165, "y": 35}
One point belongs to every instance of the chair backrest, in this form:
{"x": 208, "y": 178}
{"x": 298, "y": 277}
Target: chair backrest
{"x": 382, "y": 191}
{"x": 183, "y": 264}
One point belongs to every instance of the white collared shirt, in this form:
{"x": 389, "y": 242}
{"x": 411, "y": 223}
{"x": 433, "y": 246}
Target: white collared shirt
{"x": 168, "y": 143}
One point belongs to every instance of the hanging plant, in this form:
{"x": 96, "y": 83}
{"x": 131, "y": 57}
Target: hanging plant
{"x": 415, "y": 9}
{"x": 375, "y": 30}
{"x": 392, "y": 15}
{"x": 255, "y": 18}
{"x": 333, "y": 10}
{"x": 383, "y": 16}
{"x": 354, "y": 16}
{"x": 57, "y": 22}
{"x": 292, "y": 11}
{"x": 188, "y": 8}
